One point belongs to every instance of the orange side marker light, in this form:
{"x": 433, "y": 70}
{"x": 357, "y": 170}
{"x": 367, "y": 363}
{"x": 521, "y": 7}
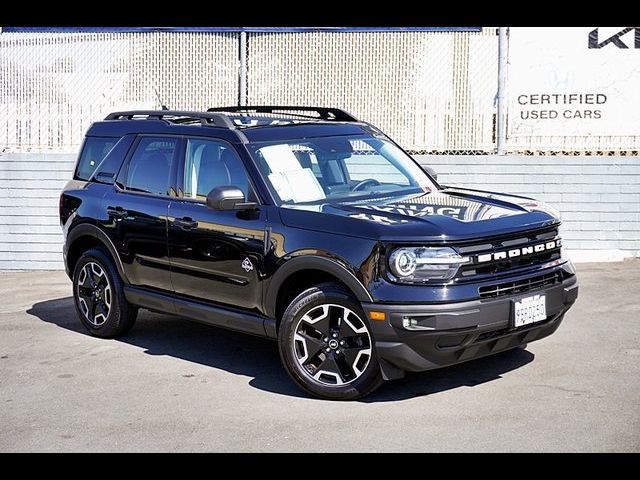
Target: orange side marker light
{"x": 377, "y": 316}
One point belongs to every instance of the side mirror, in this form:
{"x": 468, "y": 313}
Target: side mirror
{"x": 228, "y": 198}
{"x": 430, "y": 171}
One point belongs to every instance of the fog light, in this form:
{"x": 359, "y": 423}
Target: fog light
{"x": 409, "y": 323}
{"x": 419, "y": 322}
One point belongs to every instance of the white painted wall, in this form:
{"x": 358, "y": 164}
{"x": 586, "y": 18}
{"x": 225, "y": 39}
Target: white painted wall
{"x": 30, "y": 186}
{"x": 598, "y": 196}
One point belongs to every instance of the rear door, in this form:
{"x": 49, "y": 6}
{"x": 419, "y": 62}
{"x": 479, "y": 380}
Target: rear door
{"x": 138, "y": 206}
{"x": 216, "y": 256}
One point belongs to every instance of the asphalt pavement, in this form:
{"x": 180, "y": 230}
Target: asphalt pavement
{"x": 173, "y": 385}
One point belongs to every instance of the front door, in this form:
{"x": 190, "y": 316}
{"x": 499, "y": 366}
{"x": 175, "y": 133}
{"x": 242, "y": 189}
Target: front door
{"x": 215, "y": 256}
{"x": 137, "y": 210}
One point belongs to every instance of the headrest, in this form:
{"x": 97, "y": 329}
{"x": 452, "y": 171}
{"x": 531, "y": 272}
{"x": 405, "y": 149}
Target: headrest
{"x": 229, "y": 155}
{"x": 209, "y": 155}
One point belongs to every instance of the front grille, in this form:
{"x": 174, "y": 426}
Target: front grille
{"x": 505, "y": 243}
{"x": 520, "y": 286}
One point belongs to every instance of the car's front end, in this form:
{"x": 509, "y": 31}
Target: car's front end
{"x": 442, "y": 303}
{"x": 458, "y": 274}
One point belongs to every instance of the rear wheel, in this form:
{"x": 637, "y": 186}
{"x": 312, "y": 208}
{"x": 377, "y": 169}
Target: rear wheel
{"x": 326, "y": 345}
{"x": 99, "y": 296}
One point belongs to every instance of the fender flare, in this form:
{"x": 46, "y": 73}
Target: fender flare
{"x": 312, "y": 262}
{"x": 90, "y": 230}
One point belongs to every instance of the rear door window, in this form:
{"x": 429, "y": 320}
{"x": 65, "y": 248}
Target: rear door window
{"x": 93, "y": 152}
{"x": 149, "y": 170}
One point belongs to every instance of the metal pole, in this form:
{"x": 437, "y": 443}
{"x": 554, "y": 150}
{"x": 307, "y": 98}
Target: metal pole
{"x": 501, "y": 97}
{"x": 242, "y": 84}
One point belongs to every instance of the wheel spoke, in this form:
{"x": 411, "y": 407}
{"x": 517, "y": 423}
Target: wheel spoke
{"x": 84, "y": 292}
{"x": 96, "y": 274}
{"x": 102, "y": 309}
{"x": 92, "y": 310}
{"x": 89, "y": 306}
{"x": 336, "y": 315}
{"x": 318, "y": 319}
{"x": 312, "y": 345}
{"x": 84, "y": 277}
{"x": 351, "y": 325}
{"x": 107, "y": 295}
{"x": 330, "y": 365}
{"x": 351, "y": 356}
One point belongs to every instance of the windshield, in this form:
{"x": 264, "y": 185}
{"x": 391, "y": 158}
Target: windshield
{"x": 344, "y": 167}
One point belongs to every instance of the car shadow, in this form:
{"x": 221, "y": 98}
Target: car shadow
{"x": 258, "y": 358}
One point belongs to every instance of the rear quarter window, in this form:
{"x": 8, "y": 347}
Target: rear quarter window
{"x": 93, "y": 152}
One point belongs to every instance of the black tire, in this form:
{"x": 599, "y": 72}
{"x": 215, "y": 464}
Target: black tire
{"x": 120, "y": 316}
{"x": 329, "y": 299}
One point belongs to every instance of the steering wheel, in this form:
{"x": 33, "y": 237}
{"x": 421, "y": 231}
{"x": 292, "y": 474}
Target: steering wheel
{"x": 362, "y": 183}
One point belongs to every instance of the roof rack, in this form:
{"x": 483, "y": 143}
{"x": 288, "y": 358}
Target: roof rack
{"x": 206, "y": 118}
{"x": 325, "y": 113}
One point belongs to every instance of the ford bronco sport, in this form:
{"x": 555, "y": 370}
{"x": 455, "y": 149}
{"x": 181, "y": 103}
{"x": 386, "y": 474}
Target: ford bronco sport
{"x": 305, "y": 225}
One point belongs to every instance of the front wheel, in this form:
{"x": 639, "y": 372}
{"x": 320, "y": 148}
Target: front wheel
{"x": 326, "y": 344}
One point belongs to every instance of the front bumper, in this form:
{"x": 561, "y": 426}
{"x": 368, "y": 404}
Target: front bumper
{"x": 445, "y": 334}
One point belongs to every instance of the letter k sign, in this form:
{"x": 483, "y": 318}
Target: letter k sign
{"x": 615, "y": 39}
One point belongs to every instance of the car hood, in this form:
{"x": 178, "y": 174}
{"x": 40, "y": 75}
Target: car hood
{"x": 447, "y": 214}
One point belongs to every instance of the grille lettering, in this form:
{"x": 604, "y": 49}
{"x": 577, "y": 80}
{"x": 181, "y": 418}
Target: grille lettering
{"x": 517, "y": 252}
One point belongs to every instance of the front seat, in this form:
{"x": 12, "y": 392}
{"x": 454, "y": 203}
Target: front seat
{"x": 237, "y": 174}
{"x": 212, "y": 173}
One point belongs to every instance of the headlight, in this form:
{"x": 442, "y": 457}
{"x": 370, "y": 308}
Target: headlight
{"x": 421, "y": 264}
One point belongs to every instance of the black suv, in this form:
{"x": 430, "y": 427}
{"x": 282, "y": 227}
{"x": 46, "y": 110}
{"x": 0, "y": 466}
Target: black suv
{"x": 305, "y": 225}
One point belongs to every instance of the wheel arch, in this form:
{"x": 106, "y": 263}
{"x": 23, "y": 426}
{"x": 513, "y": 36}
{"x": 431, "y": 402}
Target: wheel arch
{"x": 318, "y": 267}
{"x": 85, "y": 236}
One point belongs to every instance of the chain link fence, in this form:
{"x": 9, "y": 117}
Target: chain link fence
{"x": 432, "y": 91}
{"x": 55, "y": 84}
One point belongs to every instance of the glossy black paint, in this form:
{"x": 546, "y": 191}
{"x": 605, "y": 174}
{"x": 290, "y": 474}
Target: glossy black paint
{"x": 137, "y": 226}
{"x": 176, "y": 254}
{"x": 207, "y": 256}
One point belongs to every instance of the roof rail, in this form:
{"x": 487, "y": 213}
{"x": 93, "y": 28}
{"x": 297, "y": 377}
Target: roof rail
{"x": 206, "y": 118}
{"x": 326, "y": 113}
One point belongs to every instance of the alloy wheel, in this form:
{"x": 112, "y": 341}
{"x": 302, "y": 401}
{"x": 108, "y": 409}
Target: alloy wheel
{"x": 94, "y": 293}
{"x": 332, "y": 345}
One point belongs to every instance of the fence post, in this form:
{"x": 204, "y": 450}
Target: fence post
{"x": 501, "y": 126}
{"x": 242, "y": 71}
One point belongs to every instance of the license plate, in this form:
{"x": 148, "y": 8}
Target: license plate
{"x": 529, "y": 310}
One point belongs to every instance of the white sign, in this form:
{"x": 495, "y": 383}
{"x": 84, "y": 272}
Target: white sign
{"x": 580, "y": 81}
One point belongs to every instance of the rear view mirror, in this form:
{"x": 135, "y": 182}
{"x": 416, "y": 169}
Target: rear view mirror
{"x": 228, "y": 198}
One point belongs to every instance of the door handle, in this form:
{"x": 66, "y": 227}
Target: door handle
{"x": 185, "y": 223}
{"x": 117, "y": 212}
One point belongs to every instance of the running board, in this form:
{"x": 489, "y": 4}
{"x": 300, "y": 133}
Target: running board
{"x": 202, "y": 312}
